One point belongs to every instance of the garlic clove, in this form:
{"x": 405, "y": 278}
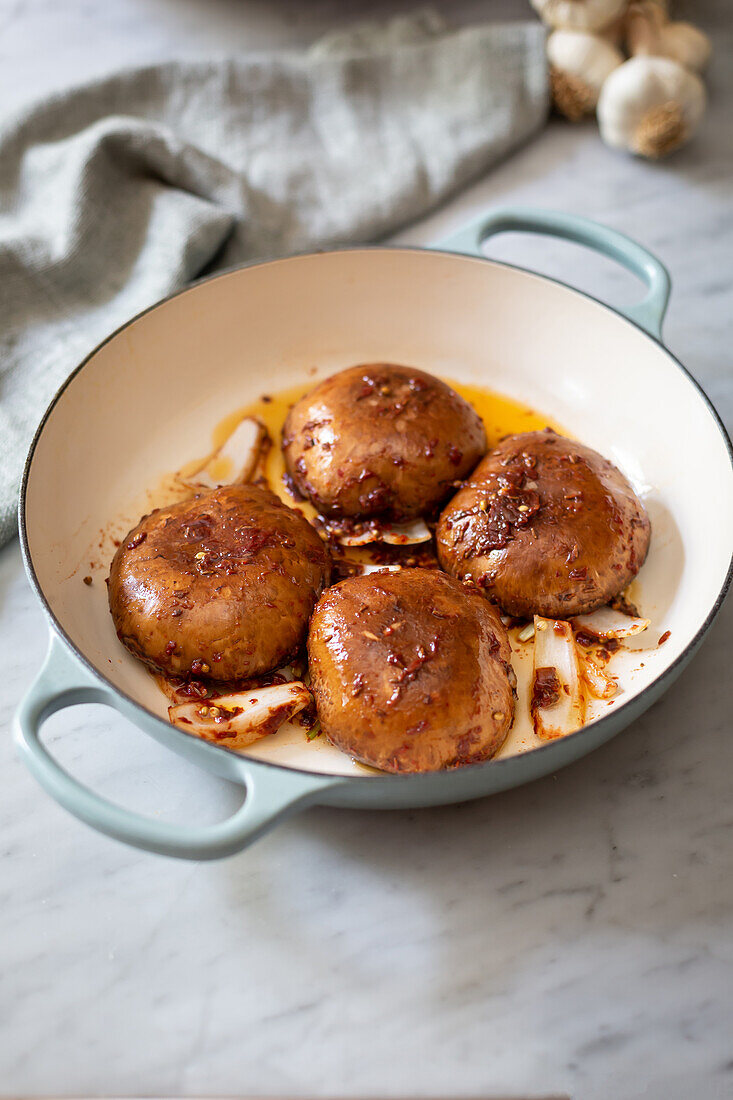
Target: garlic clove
{"x": 579, "y": 65}
{"x": 650, "y": 106}
{"x": 578, "y": 15}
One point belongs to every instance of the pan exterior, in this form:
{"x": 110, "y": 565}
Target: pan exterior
{"x": 103, "y": 441}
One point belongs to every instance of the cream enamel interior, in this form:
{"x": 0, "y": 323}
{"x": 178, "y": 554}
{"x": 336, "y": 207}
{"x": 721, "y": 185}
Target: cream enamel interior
{"x": 148, "y": 400}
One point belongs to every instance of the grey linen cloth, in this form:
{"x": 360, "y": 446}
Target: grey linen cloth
{"x": 118, "y": 192}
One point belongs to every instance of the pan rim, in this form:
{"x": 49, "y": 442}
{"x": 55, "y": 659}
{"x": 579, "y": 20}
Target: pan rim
{"x": 612, "y": 721}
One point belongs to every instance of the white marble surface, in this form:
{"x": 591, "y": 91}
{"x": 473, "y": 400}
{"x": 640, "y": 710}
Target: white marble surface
{"x": 573, "y": 936}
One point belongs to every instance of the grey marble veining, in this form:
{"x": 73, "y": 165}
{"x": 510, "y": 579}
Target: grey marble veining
{"x": 572, "y": 936}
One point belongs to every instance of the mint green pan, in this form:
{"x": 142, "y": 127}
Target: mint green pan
{"x": 145, "y": 401}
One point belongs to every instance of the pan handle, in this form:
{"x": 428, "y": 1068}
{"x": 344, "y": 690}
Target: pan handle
{"x": 272, "y": 794}
{"x": 649, "y": 313}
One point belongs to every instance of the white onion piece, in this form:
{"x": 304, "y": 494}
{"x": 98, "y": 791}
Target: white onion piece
{"x": 406, "y": 534}
{"x": 380, "y": 569}
{"x": 607, "y": 623}
{"x": 396, "y": 534}
{"x": 554, "y": 647}
{"x": 354, "y": 538}
{"x": 245, "y": 716}
{"x": 599, "y": 682}
{"x": 236, "y": 459}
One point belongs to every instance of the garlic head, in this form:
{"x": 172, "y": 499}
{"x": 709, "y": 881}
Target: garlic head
{"x": 579, "y": 65}
{"x": 650, "y": 106}
{"x": 578, "y": 15}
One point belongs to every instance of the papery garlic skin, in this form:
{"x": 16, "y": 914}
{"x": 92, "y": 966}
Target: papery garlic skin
{"x": 578, "y": 15}
{"x": 579, "y": 65}
{"x": 644, "y": 21}
{"x": 650, "y": 106}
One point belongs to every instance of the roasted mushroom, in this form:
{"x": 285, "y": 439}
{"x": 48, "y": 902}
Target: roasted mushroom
{"x": 411, "y": 671}
{"x": 545, "y": 526}
{"x": 221, "y": 586}
{"x": 381, "y": 440}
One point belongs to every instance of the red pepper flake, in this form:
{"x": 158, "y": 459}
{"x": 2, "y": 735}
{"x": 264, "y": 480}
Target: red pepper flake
{"x": 193, "y": 689}
{"x": 664, "y": 637}
{"x": 367, "y": 388}
{"x": 455, "y": 456}
{"x": 545, "y": 688}
{"x": 137, "y": 539}
{"x": 170, "y": 648}
{"x": 578, "y": 574}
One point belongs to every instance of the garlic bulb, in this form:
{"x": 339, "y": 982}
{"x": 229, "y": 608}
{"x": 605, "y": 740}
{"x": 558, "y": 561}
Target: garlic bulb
{"x": 579, "y": 64}
{"x": 650, "y": 106}
{"x": 578, "y": 15}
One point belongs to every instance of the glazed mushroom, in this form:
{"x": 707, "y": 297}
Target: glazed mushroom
{"x": 411, "y": 671}
{"x": 545, "y": 526}
{"x": 221, "y": 586}
{"x": 381, "y": 440}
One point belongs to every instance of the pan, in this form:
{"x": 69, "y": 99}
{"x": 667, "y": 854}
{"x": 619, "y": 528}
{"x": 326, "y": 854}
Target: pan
{"x": 144, "y": 402}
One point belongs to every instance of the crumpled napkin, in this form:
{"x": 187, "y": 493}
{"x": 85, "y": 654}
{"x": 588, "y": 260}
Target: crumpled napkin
{"x": 118, "y": 192}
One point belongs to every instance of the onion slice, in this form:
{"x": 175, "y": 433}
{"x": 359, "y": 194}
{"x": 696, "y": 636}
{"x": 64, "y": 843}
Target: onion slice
{"x": 599, "y": 682}
{"x": 607, "y": 623}
{"x": 235, "y": 461}
{"x": 556, "y": 701}
{"x": 358, "y": 536}
{"x": 396, "y": 534}
{"x": 369, "y": 568}
{"x": 240, "y": 719}
{"x": 406, "y": 534}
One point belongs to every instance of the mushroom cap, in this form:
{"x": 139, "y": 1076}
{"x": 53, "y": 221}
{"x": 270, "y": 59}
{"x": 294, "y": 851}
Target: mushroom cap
{"x": 380, "y": 439}
{"x": 545, "y": 526}
{"x": 411, "y": 671}
{"x": 221, "y": 586}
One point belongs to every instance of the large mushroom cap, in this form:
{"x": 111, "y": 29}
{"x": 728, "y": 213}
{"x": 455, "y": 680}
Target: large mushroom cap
{"x": 221, "y": 586}
{"x": 410, "y": 671}
{"x": 381, "y": 440}
{"x": 545, "y": 526}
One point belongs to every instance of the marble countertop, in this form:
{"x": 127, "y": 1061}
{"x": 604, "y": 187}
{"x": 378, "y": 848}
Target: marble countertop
{"x": 574, "y": 936}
